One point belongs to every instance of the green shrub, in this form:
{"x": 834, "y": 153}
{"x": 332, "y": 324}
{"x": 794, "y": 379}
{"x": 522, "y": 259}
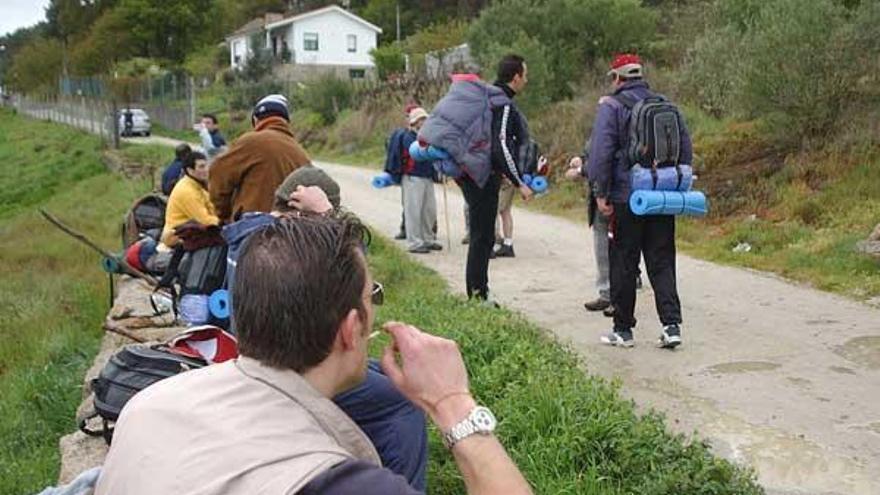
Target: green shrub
{"x": 571, "y": 34}
{"x": 389, "y": 60}
{"x": 327, "y": 96}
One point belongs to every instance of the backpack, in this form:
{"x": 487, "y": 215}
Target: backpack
{"x": 654, "y": 133}
{"x": 132, "y": 369}
{"x": 145, "y": 218}
{"x": 393, "y": 155}
{"x": 198, "y": 266}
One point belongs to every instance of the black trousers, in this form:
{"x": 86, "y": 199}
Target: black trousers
{"x": 654, "y": 237}
{"x": 482, "y": 209}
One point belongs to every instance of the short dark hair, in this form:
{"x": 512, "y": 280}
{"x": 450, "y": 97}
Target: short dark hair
{"x": 296, "y": 280}
{"x": 182, "y": 151}
{"x": 210, "y": 116}
{"x": 509, "y": 66}
{"x": 190, "y": 160}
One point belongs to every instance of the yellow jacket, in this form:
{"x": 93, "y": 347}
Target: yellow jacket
{"x": 189, "y": 200}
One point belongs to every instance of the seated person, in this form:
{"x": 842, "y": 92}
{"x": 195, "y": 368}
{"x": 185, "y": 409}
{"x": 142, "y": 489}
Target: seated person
{"x": 393, "y": 424}
{"x": 263, "y": 423}
{"x": 189, "y": 200}
{"x": 174, "y": 170}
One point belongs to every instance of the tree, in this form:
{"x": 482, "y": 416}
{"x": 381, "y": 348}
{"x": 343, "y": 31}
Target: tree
{"x": 37, "y": 66}
{"x": 166, "y": 29}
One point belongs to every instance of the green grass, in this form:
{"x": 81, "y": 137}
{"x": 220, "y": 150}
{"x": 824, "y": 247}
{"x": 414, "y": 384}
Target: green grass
{"x": 54, "y": 296}
{"x": 569, "y": 432}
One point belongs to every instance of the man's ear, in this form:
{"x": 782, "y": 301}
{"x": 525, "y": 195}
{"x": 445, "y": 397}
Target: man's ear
{"x": 349, "y": 330}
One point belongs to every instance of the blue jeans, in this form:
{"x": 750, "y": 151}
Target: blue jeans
{"x": 393, "y": 423}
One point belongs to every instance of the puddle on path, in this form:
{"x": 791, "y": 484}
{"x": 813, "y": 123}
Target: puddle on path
{"x": 864, "y": 351}
{"x": 742, "y": 367}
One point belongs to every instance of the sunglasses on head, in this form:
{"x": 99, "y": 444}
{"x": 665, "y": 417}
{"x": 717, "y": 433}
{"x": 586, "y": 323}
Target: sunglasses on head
{"x": 377, "y": 296}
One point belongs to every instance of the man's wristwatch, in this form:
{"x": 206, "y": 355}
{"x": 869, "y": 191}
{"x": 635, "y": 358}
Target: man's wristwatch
{"x": 480, "y": 420}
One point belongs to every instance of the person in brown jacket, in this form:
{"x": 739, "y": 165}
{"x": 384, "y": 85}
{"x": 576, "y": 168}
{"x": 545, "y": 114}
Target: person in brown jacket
{"x": 245, "y": 178}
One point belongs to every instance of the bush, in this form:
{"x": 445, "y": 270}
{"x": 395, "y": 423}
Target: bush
{"x": 783, "y": 59}
{"x": 389, "y": 60}
{"x": 327, "y": 96}
{"x": 569, "y": 34}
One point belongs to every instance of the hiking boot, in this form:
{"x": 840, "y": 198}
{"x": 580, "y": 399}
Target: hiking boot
{"x": 505, "y": 251}
{"x": 434, "y": 246}
{"x": 618, "y": 339}
{"x": 400, "y": 236}
{"x": 597, "y": 305}
{"x": 485, "y": 300}
{"x": 466, "y": 239}
{"x": 670, "y": 338}
{"x": 609, "y": 311}
{"x": 422, "y": 249}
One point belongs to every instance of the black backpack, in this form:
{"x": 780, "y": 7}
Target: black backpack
{"x": 146, "y": 217}
{"x": 132, "y": 369}
{"x": 654, "y": 132}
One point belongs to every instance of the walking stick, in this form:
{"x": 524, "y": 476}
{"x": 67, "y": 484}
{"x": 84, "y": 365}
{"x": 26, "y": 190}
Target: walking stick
{"x": 446, "y": 215}
{"x": 107, "y": 254}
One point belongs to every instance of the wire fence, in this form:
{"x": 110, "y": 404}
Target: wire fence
{"x": 89, "y": 114}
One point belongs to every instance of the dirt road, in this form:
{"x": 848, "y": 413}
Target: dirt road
{"x": 777, "y": 376}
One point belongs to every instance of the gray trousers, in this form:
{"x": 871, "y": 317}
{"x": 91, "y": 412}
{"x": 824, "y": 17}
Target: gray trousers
{"x": 419, "y": 210}
{"x": 600, "y": 250}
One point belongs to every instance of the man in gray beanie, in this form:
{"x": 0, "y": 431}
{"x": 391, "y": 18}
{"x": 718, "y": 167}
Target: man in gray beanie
{"x": 244, "y": 178}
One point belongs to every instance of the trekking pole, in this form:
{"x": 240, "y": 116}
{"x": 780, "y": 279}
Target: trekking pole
{"x": 107, "y": 254}
{"x": 446, "y": 215}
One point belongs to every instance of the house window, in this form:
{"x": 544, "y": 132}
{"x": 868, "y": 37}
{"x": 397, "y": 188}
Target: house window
{"x": 310, "y": 42}
{"x": 357, "y": 73}
{"x": 352, "y": 43}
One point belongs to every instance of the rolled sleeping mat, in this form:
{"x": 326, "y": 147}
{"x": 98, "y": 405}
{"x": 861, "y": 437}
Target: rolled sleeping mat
{"x": 111, "y": 265}
{"x": 218, "y": 304}
{"x": 539, "y": 184}
{"x": 382, "y": 180}
{"x": 667, "y": 178}
{"x": 691, "y": 203}
{"x": 429, "y": 154}
{"x": 194, "y": 309}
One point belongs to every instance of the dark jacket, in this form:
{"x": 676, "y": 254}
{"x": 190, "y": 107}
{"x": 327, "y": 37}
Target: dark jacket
{"x": 408, "y": 165}
{"x": 510, "y": 132}
{"x": 393, "y": 154}
{"x": 171, "y": 175}
{"x": 606, "y": 168}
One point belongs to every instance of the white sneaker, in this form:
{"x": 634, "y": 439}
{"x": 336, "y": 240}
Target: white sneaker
{"x": 670, "y": 338}
{"x": 617, "y": 339}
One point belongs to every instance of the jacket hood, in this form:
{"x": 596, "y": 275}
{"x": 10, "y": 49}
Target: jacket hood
{"x": 274, "y": 124}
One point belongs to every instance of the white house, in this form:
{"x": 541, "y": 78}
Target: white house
{"x": 326, "y": 39}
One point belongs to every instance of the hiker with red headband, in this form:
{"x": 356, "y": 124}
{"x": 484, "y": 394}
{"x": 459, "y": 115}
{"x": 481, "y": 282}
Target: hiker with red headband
{"x": 608, "y": 170}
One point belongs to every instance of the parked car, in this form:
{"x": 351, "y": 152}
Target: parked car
{"x": 137, "y": 124}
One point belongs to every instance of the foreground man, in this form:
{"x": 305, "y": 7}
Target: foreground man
{"x": 264, "y": 422}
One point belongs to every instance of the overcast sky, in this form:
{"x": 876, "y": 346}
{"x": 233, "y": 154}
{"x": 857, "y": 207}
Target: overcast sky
{"x": 16, "y": 14}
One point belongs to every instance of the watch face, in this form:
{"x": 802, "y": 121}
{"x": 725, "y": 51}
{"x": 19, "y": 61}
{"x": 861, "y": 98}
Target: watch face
{"x": 483, "y": 419}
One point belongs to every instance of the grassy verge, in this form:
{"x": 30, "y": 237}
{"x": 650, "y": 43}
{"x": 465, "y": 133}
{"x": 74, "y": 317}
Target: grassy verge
{"x": 53, "y": 296}
{"x": 569, "y": 432}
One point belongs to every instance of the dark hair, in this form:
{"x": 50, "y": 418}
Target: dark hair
{"x": 182, "y": 151}
{"x": 210, "y": 116}
{"x": 510, "y": 66}
{"x": 295, "y": 282}
{"x": 190, "y": 160}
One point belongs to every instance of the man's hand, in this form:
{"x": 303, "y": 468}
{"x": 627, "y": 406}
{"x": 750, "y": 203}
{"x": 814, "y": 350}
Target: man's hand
{"x": 310, "y": 199}
{"x": 431, "y": 373}
{"x": 526, "y": 192}
{"x": 605, "y": 207}
{"x": 574, "y": 168}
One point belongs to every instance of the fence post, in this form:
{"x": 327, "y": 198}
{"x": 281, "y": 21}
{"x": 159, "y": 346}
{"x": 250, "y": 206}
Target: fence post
{"x": 192, "y": 101}
{"x": 114, "y": 126}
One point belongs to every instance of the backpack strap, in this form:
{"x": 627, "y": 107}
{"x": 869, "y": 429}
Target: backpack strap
{"x": 625, "y": 99}
{"x": 168, "y": 278}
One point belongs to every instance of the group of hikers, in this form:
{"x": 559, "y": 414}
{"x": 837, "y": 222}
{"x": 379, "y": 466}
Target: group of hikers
{"x": 303, "y": 409}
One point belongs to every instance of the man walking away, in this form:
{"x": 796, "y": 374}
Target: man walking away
{"x": 633, "y": 236}
{"x": 212, "y": 141}
{"x": 245, "y": 178}
{"x": 419, "y": 203}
